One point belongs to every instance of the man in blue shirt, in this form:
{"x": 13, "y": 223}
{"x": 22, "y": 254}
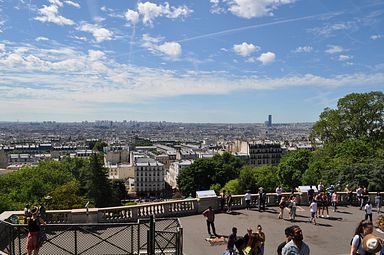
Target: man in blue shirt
{"x": 296, "y": 246}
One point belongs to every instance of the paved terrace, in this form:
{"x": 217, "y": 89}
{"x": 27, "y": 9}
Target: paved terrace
{"x": 331, "y": 236}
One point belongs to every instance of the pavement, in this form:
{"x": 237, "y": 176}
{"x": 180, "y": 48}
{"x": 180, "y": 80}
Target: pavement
{"x": 330, "y": 236}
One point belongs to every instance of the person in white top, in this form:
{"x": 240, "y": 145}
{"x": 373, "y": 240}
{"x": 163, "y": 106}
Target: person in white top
{"x": 313, "y": 210}
{"x": 279, "y": 192}
{"x": 368, "y": 211}
{"x": 247, "y": 198}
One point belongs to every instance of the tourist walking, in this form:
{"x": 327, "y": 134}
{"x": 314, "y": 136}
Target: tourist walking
{"x": 359, "y": 195}
{"x": 319, "y": 202}
{"x": 209, "y": 214}
{"x": 310, "y": 193}
{"x": 33, "y": 241}
{"x": 313, "y": 211}
{"x": 364, "y": 228}
{"x": 325, "y": 203}
{"x": 296, "y": 246}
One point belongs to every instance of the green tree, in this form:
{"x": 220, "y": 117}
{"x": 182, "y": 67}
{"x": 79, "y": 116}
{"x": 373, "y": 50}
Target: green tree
{"x": 207, "y": 171}
{"x": 98, "y": 186}
{"x": 66, "y": 196}
{"x": 292, "y": 166}
{"x": 266, "y": 177}
{"x": 358, "y": 116}
{"x": 247, "y": 179}
{"x": 233, "y": 187}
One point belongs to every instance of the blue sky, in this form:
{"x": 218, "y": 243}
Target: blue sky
{"x": 190, "y": 61}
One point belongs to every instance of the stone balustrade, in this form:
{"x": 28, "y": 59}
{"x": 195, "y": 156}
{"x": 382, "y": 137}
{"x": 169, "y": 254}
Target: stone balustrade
{"x": 175, "y": 208}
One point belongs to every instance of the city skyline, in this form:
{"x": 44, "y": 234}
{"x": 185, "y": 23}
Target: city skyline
{"x": 209, "y": 61}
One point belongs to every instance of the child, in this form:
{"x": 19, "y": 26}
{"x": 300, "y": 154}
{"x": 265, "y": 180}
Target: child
{"x": 313, "y": 210}
{"x": 368, "y": 210}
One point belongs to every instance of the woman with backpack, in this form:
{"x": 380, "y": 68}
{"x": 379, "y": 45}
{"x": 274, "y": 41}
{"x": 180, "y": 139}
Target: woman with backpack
{"x": 364, "y": 228}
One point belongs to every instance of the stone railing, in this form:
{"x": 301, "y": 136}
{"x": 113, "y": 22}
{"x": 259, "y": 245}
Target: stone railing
{"x": 175, "y": 208}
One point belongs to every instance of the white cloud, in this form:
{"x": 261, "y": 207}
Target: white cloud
{"x": 56, "y": 2}
{"x": 95, "y": 54}
{"x": 2, "y": 47}
{"x": 333, "y": 49}
{"x": 252, "y": 8}
{"x": 169, "y": 49}
{"x": 41, "y": 38}
{"x": 132, "y": 16}
{"x": 267, "y": 58}
{"x": 245, "y": 49}
{"x": 344, "y": 57}
{"x": 376, "y": 37}
{"x": 51, "y": 14}
{"x": 73, "y": 4}
{"x": 303, "y": 49}
{"x": 151, "y": 11}
{"x": 101, "y": 34}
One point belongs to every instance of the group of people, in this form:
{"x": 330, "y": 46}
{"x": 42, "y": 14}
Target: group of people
{"x": 252, "y": 243}
{"x": 226, "y": 200}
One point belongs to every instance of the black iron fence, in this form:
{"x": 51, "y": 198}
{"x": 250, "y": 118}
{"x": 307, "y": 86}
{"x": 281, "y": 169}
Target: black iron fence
{"x": 147, "y": 236}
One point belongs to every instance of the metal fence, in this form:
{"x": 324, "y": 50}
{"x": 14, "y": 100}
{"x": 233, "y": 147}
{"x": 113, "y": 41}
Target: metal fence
{"x": 147, "y": 236}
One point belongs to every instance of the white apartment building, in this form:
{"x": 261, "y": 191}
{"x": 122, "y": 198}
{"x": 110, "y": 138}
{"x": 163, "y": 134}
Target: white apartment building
{"x": 120, "y": 171}
{"x": 174, "y": 171}
{"x": 149, "y": 177}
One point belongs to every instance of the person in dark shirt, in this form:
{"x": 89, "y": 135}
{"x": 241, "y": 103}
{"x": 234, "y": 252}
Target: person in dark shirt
{"x": 232, "y": 239}
{"x": 34, "y": 222}
{"x": 288, "y": 233}
{"x": 209, "y": 214}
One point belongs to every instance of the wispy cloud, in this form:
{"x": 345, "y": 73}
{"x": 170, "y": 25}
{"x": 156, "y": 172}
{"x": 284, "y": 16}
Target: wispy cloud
{"x": 51, "y": 14}
{"x": 72, "y": 3}
{"x": 376, "y": 37}
{"x": 303, "y": 49}
{"x": 333, "y": 49}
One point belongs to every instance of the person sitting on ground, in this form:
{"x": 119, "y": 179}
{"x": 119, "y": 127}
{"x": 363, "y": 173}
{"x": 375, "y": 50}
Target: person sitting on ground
{"x": 231, "y": 240}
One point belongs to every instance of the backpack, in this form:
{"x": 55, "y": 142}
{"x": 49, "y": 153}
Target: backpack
{"x": 359, "y": 243}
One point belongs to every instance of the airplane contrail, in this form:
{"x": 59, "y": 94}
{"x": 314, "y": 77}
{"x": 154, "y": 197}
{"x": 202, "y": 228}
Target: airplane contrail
{"x": 228, "y": 31}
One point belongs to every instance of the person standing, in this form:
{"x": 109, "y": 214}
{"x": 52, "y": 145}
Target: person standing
{"x": 229, "y": 202}
{"x": 292, "y": 212}
{"x": 364, "y": 228}
{"x": 368, "y": 210}
{"x": 334, "y": 199}
{"x": 378, "y": 202}
{"x": 296, "y": 246}
{"x": 288, "y": 234}
{"x": 279, "y": 192}
{"x": 359, "y": 195}
{"x": 310, "y": 193}
{"x": 27, "y": 213}
{"x": 282, "y": 206}
{"x": 209, "y": 214}
{"x": 223, "y": 199}
{"x": 34, "y": 222}
{"x": 313, "y": 211}
{"x": 262, "y": 235}
{"x": 262, "y": 198}
{"x": 248, "y": 198}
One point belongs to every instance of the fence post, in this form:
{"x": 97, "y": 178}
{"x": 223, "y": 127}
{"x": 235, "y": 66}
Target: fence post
{"x": 75, "y": 241}
{"x": 151, "y": 236}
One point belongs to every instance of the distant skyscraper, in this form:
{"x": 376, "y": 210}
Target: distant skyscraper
{"x": 270, "y": 120}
